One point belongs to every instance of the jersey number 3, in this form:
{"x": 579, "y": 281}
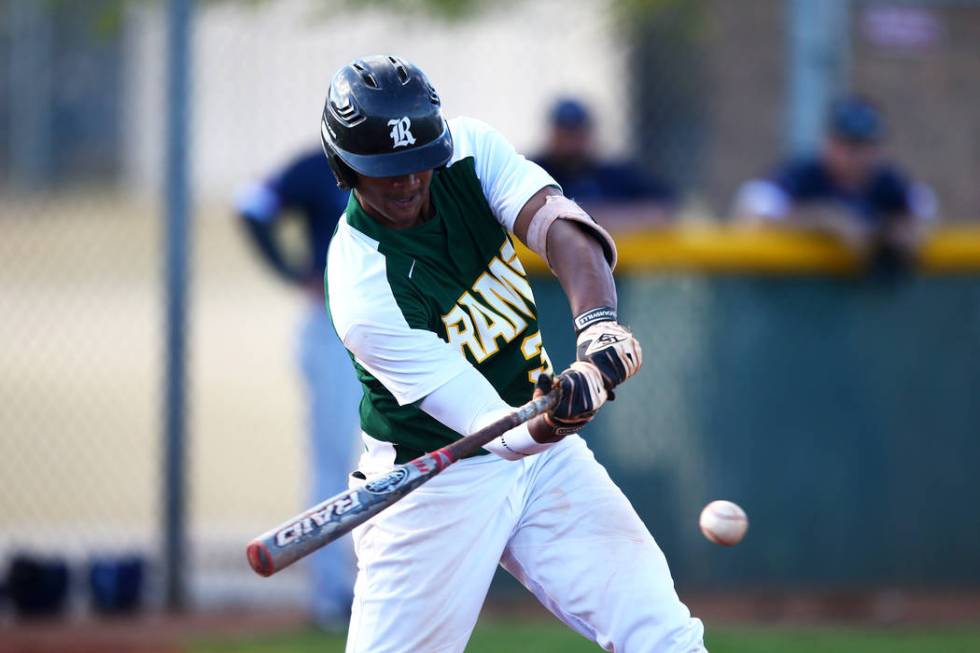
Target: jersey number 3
{"x": 532, "y": 347}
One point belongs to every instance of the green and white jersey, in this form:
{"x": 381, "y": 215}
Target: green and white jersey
{"x": 422, "y": 307}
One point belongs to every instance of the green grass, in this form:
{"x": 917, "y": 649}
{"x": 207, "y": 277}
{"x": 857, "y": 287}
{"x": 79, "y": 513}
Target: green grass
{"x": 553, "y": 638}
{"x": 843, "y": 640}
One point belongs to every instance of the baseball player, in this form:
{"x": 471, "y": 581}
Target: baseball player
{"x": 303, "y": 189}
{"x": 428, "y": 296}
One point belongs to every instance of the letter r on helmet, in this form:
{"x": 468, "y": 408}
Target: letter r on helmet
{"x": 401, "y": 132}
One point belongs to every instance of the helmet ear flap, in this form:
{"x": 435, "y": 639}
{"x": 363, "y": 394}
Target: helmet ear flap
{"x": 345, "y": 175}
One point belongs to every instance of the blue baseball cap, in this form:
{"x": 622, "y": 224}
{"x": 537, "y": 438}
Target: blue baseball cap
{"x": 856, "y": 120}
{"x": 569, "y": 113}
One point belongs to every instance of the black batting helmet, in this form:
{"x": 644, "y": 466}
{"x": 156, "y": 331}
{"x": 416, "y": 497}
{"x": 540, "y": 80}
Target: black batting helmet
{"x": 382, "y": 119}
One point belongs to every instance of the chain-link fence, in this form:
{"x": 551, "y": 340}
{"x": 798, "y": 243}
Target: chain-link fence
{"x": 697, "y": 91}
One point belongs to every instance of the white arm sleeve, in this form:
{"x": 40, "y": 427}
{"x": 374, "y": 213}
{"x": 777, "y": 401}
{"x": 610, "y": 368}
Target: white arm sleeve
{"x": 410, "y": 363}
{"x": 507, "y": 178}
{"x": 761, "y": 198}
{"x": 468, "y": 403}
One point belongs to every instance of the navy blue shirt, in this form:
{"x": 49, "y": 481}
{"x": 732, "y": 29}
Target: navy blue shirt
{"x": 885, "y": 194}
{"x": 307, "y": 187}
{"x": 607, "y": 182}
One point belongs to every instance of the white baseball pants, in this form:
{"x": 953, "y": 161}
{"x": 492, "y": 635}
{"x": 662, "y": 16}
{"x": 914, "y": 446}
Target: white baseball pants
{"x": 555, "y": 521}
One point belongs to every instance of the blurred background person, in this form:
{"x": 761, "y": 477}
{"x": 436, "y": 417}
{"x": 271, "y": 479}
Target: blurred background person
{"x": 306, "y": 190}
{"x": 620, "y": 193}
{"x": 849, "y": 189}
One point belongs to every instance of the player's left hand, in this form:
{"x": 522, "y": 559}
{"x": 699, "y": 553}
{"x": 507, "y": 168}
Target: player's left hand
{"x": 581, "y": 395}
{"x": 611, "y": 348}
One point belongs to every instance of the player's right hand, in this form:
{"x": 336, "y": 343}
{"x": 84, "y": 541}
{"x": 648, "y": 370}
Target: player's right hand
{"x": 582, "y": 393}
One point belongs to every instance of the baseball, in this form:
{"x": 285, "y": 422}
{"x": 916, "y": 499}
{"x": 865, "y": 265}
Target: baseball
{"x": 724, "y": 522}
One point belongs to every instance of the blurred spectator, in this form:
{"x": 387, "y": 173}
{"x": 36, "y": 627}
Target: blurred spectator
{"x": 848, "y": 189}
{"x": 617, "y": 193}
{"x": 307, "y": 190}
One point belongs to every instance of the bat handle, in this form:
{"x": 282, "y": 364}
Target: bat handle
{"x": 473, "y": 442}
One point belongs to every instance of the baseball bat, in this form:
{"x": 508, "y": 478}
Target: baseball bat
{"x": 280, "y": 547}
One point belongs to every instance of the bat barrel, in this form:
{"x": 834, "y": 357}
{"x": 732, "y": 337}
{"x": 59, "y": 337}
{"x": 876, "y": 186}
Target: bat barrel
{"x": 280, "y": 547}
{"x": 266, "y": 556}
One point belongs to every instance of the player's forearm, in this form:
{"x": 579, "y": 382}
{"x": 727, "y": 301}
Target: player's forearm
{"x": 263, "y": 239}
{"x": 907, "y": 231}
{"x": 835, "y": 221}
{"x": 579, "y": 263}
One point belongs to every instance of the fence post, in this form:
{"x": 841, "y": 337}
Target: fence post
{"x": 819, "y": 51}
{"x": 177, "y": 246}
{"x": 31, "y": 85}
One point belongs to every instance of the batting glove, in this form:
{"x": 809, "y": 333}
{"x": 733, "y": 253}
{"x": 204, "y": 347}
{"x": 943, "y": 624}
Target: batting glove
{"x": 612, "y": 349}
{"x": 582, "y": 393}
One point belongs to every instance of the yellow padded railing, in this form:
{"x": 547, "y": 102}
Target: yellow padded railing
{"x": 729, "y": 249}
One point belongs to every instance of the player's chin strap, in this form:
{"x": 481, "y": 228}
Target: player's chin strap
{"x": 560, "y": 207}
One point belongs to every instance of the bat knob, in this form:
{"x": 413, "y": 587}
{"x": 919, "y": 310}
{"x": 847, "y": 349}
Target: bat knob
{"x": 259, "y": 558}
